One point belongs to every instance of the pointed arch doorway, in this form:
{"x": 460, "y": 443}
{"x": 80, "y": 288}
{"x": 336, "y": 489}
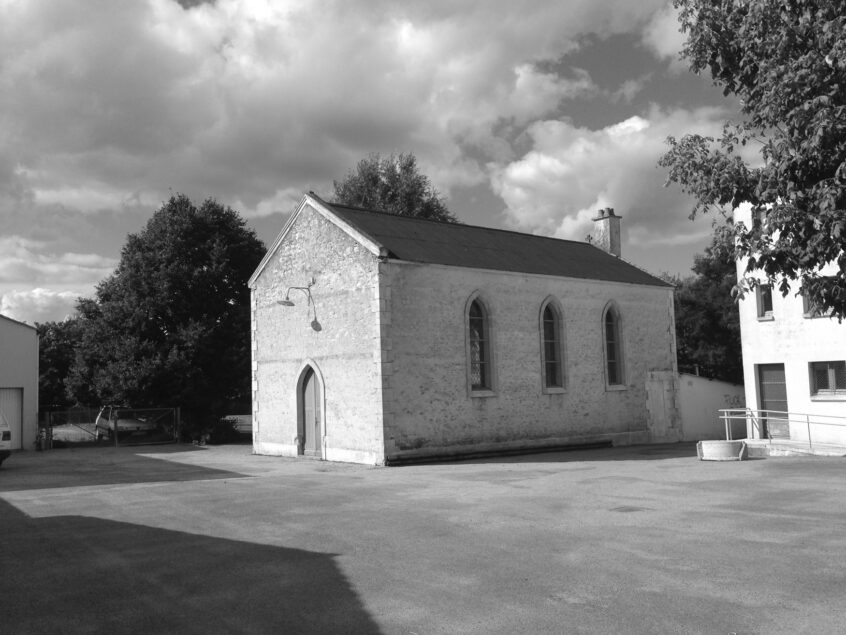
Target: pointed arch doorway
{"x": 310, "y": 413}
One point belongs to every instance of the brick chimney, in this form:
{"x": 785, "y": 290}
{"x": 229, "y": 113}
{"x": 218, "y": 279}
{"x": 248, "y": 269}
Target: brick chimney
{"x": 606, "y": 231}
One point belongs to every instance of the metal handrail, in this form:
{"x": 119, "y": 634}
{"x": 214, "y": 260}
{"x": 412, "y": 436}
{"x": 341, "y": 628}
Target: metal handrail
{"x": 730, "y": 414}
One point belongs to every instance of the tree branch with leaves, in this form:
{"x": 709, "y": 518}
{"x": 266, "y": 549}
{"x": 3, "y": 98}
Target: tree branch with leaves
{"x": 786, "y": 62}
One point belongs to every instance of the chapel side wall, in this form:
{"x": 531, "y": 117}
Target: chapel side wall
{"x": 432, "y": 405}
{"x": 344, "y": 350}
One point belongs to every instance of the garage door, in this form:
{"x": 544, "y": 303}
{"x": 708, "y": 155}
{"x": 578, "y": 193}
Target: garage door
{"x": 11, "y": 409}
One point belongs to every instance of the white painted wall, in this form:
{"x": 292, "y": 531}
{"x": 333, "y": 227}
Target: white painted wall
{"x": 791, "y": 339}
{"x": 19, "y": 370}
{"x": 700, "y": 399}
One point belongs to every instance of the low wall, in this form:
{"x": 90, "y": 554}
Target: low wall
{"x": 699, "y": 400}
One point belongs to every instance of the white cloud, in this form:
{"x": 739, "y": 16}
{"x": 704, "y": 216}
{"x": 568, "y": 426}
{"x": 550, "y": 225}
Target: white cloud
{"x": 22, "y": 259}
{"x": 663, "y": 36}
{"x": 115, "y": 104}
{"x": 38, "y": 305}
{"x": 569, "y": 173}
{"x": 242, "y": 100}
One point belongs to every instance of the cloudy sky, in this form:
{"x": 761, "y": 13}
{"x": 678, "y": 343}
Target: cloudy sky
{"x": 526, "y": 115}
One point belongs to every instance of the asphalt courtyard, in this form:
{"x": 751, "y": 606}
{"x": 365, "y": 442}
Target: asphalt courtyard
{"x": 176, "y": 539}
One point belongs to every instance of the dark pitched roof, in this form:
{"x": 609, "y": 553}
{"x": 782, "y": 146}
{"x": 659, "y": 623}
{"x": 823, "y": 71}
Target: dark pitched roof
{"x": 458, "y": 245}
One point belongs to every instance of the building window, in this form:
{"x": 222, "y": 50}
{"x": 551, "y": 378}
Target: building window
{"x": 811, "y": 309}
{"x": 480, "y": 351}
{"x": 613, "y": 348}
{"x": 551, "y": 354}
{"x": 828, "y": 378}
{"x": 764, "y": 293}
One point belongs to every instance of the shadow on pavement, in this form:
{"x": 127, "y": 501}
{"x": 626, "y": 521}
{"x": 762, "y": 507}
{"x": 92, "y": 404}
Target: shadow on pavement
{"x": 81, "y": 467}
{"x": 623, "y": 453}
{"x": 79, "y": 574}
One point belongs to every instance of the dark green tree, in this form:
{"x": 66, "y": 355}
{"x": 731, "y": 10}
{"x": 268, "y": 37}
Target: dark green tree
{"x": 707, "y": 319}
{"x": 785, "y": 62}
{"x": 171, "y": 326}
{"x": 392, "y": 184}
{"x": 57, "y": 342}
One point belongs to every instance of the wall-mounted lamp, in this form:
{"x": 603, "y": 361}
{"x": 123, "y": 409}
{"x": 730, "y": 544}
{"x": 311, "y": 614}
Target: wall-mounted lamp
{"x": 309, "y": 301}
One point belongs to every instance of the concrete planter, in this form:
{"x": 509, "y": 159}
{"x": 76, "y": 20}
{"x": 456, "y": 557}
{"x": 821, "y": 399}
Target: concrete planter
{"x": 721, "y": 450}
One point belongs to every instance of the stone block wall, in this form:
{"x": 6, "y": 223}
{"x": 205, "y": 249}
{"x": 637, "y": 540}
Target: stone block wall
{"x": 432, "y": 407}
{"x": 344, "y": 351}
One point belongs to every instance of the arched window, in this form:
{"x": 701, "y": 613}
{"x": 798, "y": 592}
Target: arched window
{"x": 479, "y": 342}
{"x": 552, "y": 357}
{"x": 613, "y": 348}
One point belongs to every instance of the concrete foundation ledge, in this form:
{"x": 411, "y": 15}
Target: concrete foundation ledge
{"x": 510, "y": 448}
{"x": 332, "y": 454}
{"x": 274, "y": 449}
{"x": 721, "y": 450}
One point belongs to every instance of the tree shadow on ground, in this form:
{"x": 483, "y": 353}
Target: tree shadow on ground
{"x": 78, "y": 574}
{"x": 82, "y": 467}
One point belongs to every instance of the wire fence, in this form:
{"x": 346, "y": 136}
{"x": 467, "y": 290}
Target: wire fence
{"x": 108, "y": 425}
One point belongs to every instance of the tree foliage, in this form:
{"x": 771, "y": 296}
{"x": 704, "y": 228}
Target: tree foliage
{"x": 392, "y": 184}
{"x": 786, "y": 62}
{"x": 171, "y": 326}
{"x": 57, "y": 343}
{"x": 707, "y": 320}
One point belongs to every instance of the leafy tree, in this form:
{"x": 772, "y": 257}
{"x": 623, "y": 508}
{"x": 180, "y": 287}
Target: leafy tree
{"x": 707, "y": 320}
{"x": 786, "y": 62}
{"x": 392, "y": 184}
{"x": 171, "y": 326}
{"x": 57, "y": 343}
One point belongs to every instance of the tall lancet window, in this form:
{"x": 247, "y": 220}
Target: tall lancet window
{"x": 553, "y": 375}
{"x": 613, "y": 348}
{"x": 480, "y": 352}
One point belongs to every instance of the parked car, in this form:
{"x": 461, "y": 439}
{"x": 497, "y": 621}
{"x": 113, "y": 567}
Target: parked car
{"x": 5, "y": 440}
{"x": 123, "y": 420}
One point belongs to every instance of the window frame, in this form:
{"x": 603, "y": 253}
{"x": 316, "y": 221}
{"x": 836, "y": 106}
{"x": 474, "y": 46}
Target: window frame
{"x": 761, "y": 291}
{"x": 487, "y": 389}
{"x": 612, "y": 310}
{"x": 552, "y": 305}
{"x": 811, "y": 310}
{"x": 826, "y": 394}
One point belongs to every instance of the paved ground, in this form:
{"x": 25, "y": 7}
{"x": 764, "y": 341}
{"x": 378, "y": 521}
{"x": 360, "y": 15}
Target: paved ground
{"x": 631, "y": 540}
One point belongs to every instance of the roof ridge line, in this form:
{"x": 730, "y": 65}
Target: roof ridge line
{"x": 443, "y": 222}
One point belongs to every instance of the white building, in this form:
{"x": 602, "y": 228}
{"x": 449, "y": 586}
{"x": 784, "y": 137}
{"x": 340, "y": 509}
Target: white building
{"x": 794, "y": 361}
{"x": 19, "y": 381}
{"x": 412, "y": 338}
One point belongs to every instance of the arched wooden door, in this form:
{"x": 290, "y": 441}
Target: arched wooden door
{"x": 311, "y": 415}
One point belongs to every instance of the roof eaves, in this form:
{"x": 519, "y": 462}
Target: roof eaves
{"x": 658, "y": 281}
{"x": 278, "y": 241}
{"x": 367, "y": 241}
{"x": 324, "y": 209}
{"x": 18, "y": 322}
